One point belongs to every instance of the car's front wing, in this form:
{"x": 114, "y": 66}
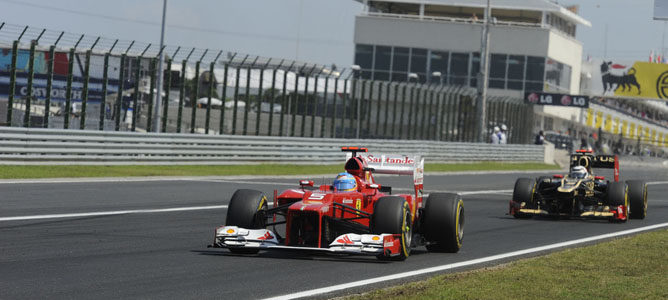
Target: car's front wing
{"x": 350, "y": 243}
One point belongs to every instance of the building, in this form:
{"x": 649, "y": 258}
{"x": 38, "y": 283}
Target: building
{"x": 533, "y": 45}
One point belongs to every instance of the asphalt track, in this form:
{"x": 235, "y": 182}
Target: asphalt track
{"x": 150, "y": 241}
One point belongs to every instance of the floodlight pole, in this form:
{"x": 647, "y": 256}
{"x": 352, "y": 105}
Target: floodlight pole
{"x": 483, "y": 77}
{"x": 158, "y": 83}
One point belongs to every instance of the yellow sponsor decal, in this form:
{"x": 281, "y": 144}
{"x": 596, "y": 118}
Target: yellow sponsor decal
{"x": 608, "y": 123}
{"x": 358, "y": 204}
{"x": 599, "y": 119}
{"x": 625, "y": 127}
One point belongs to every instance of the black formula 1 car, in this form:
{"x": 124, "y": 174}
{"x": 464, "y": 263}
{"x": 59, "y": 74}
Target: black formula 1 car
{"x": 580, "y": 194}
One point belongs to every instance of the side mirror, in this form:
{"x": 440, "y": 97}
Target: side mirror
{"x": 373, "y": 186}
{"x": 558, "y": 176}
{"x": 305, "y": 183}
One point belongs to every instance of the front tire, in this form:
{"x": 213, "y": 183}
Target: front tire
{"x": 392, "y": 214}
{"x": 618, "y": 195}
{"x": 247, "y": 209}
{"x": 524, "y": 191}
{"x": 443, "y": 222}
{"x": 637, "y": 190}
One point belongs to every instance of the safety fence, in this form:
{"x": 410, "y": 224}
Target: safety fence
{"x": 63, "y": 81}
{"x": 52, "y": 146}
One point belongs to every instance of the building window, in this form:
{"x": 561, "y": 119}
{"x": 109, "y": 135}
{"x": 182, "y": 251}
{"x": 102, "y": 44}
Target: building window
{"x": 419, "y": 63}
{"x": 475, "y": 68}
{"x": 515, "y": 72}
{"x": 364, "y": 59}
{"x": 497, "y": 71}
{"x": 535, "y": 70}
{"x": 383, "y": 58}
{"x": 400, "y": 64}
{"x": 438, "y": 62}
{"x": 459, "y": 68}
{"x": 557, "y": 75}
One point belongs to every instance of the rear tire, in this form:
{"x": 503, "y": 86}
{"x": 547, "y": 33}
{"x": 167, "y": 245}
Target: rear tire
{"x": 618, "y": 195}
{"x": 524, "y": 191}
{"x": 247, "y": 209}
{"x": 637, "y": 190}
{"x": 392, "y": 214}
{"x": 443, "y": 222}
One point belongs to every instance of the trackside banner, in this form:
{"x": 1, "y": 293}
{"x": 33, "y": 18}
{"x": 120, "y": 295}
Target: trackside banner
{"x": 638, "y": 79}
{"x": 557, "y": 99}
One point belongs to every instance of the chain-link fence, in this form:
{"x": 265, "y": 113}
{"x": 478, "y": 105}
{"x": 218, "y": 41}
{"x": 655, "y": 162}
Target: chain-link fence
{"x": 60, "y": 80}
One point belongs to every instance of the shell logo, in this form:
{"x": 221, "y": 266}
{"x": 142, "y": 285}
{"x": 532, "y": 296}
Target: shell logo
{"x": 230, "y": 231}
{"x": 375, "y": 238}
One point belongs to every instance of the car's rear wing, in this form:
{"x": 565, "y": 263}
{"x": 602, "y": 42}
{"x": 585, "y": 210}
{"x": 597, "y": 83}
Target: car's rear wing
{"x": 394, "y": 164}
{"x": 589, "y": 160}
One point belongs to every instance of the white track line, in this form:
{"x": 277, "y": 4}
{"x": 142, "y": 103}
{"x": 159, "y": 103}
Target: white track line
{"x": 110, "y": 213}
{"x": 349, "y": 285}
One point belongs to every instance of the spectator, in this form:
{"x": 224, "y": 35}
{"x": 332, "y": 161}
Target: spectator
{"x": 540, "y": 138}
{"x": 494, "y": 138}
{"x": 503, "y": 137}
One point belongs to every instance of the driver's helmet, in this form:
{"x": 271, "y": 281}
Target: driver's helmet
{"x": 345, "y": 182}
{"x": 579, "y": 172}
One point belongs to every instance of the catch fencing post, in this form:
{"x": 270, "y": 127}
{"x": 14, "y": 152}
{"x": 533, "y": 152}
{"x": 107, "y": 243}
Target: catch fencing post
{"x": 236, "y": 96}
{"x": 12, "y": 77}
{"x": 105, "y": 82}
{"x": 324, "y": 113}
{"x": 135, "y": 106}
{"x": 248, "y": 100}
{"x": 182, "y": 92}
{"x": 121, "y": 79}
{"x": 259, "y": 99}
{"x": 212, "y": 85}
{"x": 84, "y": 95}
{"x": 315, "y": 102}
{"x": 224, "y": 96}
{"x": 31, "y": 74}
{"x": 273, "y": 95}
{"x": 68, "y": 89}
{"x": 49, "y": 80}
{"x": 193, "y": 103}
{"x": 167, "y": 87}
{"x": 283, "y": 99}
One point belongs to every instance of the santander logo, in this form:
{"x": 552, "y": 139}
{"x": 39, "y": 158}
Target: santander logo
{"x": 533, "y": 98}
{"x": 344, "y": 240}
{"x": 389, "y": 160}
{"x": 266, "y": 236}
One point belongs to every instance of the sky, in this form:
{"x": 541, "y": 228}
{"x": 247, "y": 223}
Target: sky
{"x": 317, "y": 31}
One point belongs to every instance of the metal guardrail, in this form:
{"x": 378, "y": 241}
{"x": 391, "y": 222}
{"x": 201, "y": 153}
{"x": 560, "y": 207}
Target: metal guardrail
{"x": 49, "y": 146}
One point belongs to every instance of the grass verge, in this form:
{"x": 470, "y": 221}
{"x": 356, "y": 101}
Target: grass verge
{"x": 627, "y": 268}
{"x": 54, "y": 171}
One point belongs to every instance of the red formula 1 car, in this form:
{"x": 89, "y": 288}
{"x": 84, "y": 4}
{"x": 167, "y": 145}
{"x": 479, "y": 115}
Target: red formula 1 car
{"x": 581, "y": 194}
{"x": 354, "y": 215}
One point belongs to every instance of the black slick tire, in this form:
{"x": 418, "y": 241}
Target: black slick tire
{"x": 524, "y": 191}
{"x": 618, "y": 195}
{"x": 246, "y": 210}
{"x": 392, "y": 214}
{"x": 443, "y": 222}
{"x": 637, "y": 199}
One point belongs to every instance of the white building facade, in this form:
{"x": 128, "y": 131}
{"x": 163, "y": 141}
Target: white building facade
{"x": 532, "y": 46}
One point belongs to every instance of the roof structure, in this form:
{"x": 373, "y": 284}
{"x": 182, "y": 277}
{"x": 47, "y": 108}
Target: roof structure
{"x": 534, "y": 5}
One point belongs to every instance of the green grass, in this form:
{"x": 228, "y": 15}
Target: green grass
{"x": 55, "y": 171}
{"x": 626, "y": 268}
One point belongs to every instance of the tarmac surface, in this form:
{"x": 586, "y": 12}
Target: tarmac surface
{"x": 147, "y": 239}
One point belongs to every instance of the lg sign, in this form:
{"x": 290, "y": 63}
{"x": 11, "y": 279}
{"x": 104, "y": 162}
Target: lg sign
{"x": 557, "y": 99}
